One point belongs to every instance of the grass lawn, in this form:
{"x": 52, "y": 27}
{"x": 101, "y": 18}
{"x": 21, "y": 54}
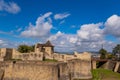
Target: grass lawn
{"x": 102, "y": 74}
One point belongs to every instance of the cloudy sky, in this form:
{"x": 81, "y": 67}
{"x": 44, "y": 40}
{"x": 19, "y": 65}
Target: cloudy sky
{"x": 71, "y": 25}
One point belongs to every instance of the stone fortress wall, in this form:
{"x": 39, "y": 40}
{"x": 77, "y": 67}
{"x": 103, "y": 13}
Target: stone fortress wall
{"x": 32, "y": 67}
{"x": 9, "y": 53}
{"x": 14, "y": 54}
{"x": 39, "y": 70}
{"x": 30, "y": 71}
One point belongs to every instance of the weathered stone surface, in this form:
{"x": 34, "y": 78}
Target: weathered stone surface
{"x": 65, "y": 57}
{"x": 36, "y": 70}
{"x": 82, "y": 56}
{"x": 5, "y": 54}
{"x": 116, "y": 66}
{"x": 80, "y": 69}
{"x": 77, "y": 66}
{"x": 110, "y": 65}
{"x": 118, "y": 69}
{"x": 64, "y": 71}
{"x": 31, "y": 71}
{"x": 1, "y": 74}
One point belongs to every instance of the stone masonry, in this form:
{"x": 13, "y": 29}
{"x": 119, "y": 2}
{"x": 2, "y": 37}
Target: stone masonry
{"x": 36, "y": 70}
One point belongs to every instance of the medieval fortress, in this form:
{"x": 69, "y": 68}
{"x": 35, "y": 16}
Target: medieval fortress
{"x": 30, "y": 66}
{"x": 41, "y": 51}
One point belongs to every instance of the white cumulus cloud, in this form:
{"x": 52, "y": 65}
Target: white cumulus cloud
{"x": 8, "y": 44}
{"x": 90, "y": 37}
{"x": 63, "y": 42}
{"x": 41, "y": 28}
{"x": 10, "y": 7}
{"x": 112, "y": 26}
{"x": 61, "y": 16}
{"x": 55, "y": 36}
{"x": 90, "y": 32}
{"x": 1, "y": 42}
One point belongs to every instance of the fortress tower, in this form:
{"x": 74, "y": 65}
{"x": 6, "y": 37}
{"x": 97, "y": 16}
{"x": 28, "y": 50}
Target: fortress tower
{"x": 47, "y": 48}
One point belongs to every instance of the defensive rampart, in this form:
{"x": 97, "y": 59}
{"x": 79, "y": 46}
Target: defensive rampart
{"x": 36, "y": 70}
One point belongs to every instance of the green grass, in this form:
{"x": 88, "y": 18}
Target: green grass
{"x": 102, "y": 74}
{"x": 82, "y": 79}
{"x": 96, "y": 74}
{"x": 50, "y": 60}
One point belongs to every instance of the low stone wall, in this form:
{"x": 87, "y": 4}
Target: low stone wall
{"x": 63, "y": 71}
{"x": 36, "y": 70}
{"x": 30, "y": 71}
{"x": 119, "y": 69}
{"x": 111, "y": 65}
{"x": 80, "y": 69}
{"x": 75, "y": 69}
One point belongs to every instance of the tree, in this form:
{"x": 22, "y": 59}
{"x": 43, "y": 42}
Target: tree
{"x": 103, "y": 53}
{"x": 25, "y": 48}
{"x": 110, "y": 56}
{"x": 116, "y": 51}
{"x": 32, "y": 48}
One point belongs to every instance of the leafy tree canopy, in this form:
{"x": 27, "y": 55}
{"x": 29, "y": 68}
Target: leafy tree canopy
{"x": 116, "y": 49}
{"x": 25, "y": 48}
{"x": 102, "y": 53}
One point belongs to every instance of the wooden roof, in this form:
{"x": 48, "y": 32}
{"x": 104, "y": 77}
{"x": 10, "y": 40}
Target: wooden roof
{"x": 47, "y": 44}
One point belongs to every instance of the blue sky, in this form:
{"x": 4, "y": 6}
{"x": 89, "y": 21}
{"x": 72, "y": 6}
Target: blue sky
{"x": 71, "y": 25}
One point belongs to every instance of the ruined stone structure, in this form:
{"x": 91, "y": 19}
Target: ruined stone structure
{"x": 107, "y": 64}
{"x": 76, "y": 55}
{"x": 5, "y": 54}
{"x": 113, "y": 65}
{"x": 32, "y": 67}
{"x": 47, "y": 48}
{"x": 31, "y": 56}
{"x": 42, "y": 51}
{"x": 117, "y": 67}
{"x": 37, "y": 70}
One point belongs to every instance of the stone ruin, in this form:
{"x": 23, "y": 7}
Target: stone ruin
{"x": 32, "y": 67}
{"x": 39, "y": 70}
{"x": 41, "y": 51}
